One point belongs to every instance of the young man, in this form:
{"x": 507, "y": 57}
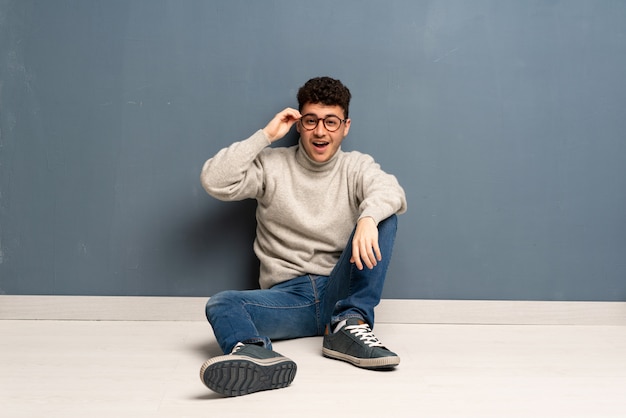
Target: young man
{"x": 326, "y": 223}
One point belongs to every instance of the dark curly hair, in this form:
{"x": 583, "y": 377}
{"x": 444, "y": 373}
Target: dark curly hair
{"x": 325, "y": 90}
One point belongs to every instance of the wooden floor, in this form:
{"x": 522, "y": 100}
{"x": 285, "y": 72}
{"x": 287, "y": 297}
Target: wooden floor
{"x": 150, "y": 369}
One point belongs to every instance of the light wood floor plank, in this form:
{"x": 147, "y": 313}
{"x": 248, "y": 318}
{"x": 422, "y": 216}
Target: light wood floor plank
{"x": 392, "y": 311}
{"x": 136, "y": 369}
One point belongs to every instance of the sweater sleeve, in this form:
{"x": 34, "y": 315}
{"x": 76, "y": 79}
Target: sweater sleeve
{"x": 380, "y": 193}
{"x": 235, "y": 172}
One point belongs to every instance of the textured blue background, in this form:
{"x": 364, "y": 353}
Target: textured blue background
{"x": 505, "y": 122}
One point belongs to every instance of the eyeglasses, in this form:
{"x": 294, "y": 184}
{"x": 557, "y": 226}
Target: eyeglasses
{"x": 331, "y": 123}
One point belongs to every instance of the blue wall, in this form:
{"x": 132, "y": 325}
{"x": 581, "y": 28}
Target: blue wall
{"x": 504, "y": 120}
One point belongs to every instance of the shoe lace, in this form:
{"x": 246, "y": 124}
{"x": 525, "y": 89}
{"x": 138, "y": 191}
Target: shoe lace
{"x": 366, "y": 335}
{"x": 237, "y": 347}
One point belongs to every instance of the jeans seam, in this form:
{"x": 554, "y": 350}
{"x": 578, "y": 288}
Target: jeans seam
{"x": 318, "y": 313}
{"x": 244, "y": 304}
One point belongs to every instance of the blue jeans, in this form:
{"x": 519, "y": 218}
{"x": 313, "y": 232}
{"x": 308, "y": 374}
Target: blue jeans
{"x": 304, "y": 305}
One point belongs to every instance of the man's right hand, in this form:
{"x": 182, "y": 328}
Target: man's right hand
{"x": 281, "y": 124}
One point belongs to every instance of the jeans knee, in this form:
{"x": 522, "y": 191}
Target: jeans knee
{"x": 390, "y": 222}
{"x": 217, "y": 302}
{"x": 388, "y": 227}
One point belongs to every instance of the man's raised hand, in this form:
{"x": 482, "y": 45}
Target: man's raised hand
{"x": 281, "y": 124}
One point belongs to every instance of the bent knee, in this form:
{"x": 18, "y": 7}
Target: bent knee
{"x": 219, "y": 301}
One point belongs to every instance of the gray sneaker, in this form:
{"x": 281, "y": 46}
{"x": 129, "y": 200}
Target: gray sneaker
{"x": 357, "y": 344}
{"x": 248, "y": 369}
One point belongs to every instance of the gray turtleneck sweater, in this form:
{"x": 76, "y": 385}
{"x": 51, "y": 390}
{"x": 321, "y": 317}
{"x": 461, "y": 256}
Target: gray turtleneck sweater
{"x": 306, "y": 210}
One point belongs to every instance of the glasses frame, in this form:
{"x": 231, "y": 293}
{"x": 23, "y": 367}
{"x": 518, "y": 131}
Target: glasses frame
{"x": 323, "y": 122}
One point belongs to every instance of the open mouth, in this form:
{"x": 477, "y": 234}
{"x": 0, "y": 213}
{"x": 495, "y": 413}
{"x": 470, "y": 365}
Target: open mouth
{"x": 320, "y": 144}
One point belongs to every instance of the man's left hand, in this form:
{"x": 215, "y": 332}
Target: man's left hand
{"x": 365, "y": 248}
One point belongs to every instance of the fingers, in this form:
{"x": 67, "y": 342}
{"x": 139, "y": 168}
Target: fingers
{"x": 368, "y": 255}
{"x": 281, "y": 124}
{"x": 365, "y": 249}
{"x": 288, "y": 115}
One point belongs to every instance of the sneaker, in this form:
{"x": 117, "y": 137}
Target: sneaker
{"x": 249, "y": 368}
{"x": 357, "y": 344}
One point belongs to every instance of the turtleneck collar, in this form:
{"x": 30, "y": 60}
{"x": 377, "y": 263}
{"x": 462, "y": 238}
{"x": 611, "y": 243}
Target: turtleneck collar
{"x": 305, "y": 161}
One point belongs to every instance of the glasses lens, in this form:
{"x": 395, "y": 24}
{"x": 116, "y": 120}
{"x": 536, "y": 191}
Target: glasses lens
{"x": 309, "y": 122}
{"x": 332, "y": 123}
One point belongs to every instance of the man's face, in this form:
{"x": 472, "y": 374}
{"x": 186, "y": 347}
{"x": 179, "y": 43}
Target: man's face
{"x": 320, "y": 144}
